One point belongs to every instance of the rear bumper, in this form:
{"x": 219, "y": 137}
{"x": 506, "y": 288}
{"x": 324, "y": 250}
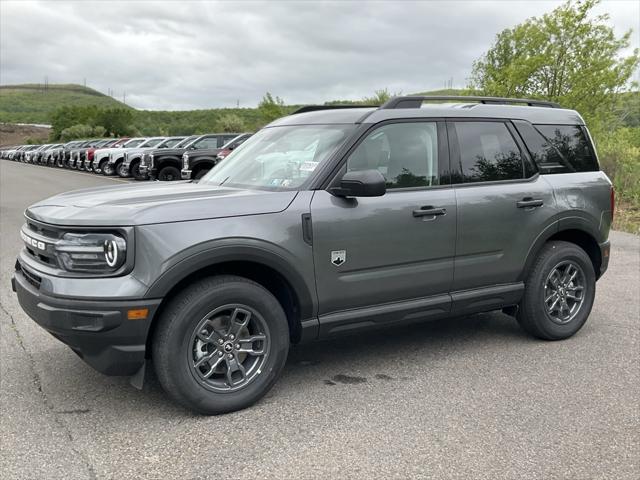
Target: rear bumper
{"x": 605, "y": 251}
{"x": 98, "y": 331}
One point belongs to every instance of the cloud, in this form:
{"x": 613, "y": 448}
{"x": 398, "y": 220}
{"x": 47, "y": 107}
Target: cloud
{"x": 194, "y": 54}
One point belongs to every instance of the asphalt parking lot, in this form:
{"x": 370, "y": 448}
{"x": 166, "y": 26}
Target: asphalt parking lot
{"x": 466, "y": 398}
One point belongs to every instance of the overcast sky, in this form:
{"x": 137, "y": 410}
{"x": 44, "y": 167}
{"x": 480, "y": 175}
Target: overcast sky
{"x": 199, "y": 54}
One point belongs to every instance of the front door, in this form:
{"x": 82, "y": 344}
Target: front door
{"x": 388, "y": 258}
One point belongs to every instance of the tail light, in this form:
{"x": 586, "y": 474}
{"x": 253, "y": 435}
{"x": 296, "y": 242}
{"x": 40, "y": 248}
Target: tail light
{"x": 613, "y": 201}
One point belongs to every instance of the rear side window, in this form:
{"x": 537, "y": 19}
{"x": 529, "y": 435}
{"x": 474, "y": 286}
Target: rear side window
{"x": 488, "y": 152}
{"x": 558, "y": 148}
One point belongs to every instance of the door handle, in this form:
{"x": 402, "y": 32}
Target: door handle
{"x": 529, "y": 202}
{"x": 429, "y": 211}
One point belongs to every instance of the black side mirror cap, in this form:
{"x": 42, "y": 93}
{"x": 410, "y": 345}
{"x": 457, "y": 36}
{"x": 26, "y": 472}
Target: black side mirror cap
{"x": 361, "y": 183}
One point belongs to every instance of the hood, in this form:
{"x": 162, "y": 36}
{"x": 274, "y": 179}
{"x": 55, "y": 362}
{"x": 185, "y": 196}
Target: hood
{"x": 136, "y": 150}
{"x": 155, "y": 202}
{"x": 107, "y": 150}
{"x": 159, "y": 152}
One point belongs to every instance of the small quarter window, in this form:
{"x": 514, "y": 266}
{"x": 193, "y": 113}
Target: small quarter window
{"x": 488, "y": 152}
{"x": 570, "y": 143}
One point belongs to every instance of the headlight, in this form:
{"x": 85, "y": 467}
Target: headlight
{"x": 91, "y": 252}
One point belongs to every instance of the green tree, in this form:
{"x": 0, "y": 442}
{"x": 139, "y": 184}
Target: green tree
{"x": 99, "y": 131}
{"x": 569, "y": 55}
{"x": 379, "y": 97}
{"x": 271, "y": 107}
{"x": 230, "y": 122}
{"x": 76, "y": 131}
{"x": 116, "y": 121}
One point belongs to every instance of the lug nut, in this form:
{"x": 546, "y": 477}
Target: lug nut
{"x": 238, "y": 346}
{"x": 231, "y": 337}
{"x": 230, "y": 356}
{"x": 219, "y": 354}
{"x": 220, "y": 341}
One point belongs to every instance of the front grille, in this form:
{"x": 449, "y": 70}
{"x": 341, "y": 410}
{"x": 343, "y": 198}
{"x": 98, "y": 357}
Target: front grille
{"x": 31, "y": 278}
{"x": 45, "y": 238}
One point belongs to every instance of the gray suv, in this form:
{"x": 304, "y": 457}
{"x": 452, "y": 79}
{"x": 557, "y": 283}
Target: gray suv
{"x": 327, "y": 221}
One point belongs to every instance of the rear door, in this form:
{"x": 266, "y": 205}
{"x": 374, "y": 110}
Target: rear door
{"x": 503, "y": 206}
{"x": 382, "y": 259}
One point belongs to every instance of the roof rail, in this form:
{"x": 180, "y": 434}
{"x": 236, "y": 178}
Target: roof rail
{"x": 315, "y": 108}
{"x": 415, "y": 101}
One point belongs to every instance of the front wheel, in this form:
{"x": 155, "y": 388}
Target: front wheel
{"x": 135, "y": 171}
{"x": 559, "y": 292}
{"x": 220, "y": 345}
{"x": 122, "y": 170}
{"x": 168, "y": 174}
{"x": 108, "y": 169}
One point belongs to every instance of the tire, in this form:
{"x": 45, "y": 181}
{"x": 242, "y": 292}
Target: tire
{"x": 201, "y": 173}
{"x": 168, "y": 174}
{"x": 135, "y": 171}
{"x": 101, "y": 166}
{"x": 548, "y": 279}
{"x": 123, "y": 172}
{"x": 175, "y": 346}
{"x": 108, "y": 170}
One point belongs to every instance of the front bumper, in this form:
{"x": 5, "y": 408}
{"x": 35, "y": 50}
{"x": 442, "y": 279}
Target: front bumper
{"x": 97, "y": 330}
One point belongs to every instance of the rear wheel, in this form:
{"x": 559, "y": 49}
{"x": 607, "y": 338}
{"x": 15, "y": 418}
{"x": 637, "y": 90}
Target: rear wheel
{"x": 559, "y": 292}
{"x": 168, "y": 174}
{"x": 220, "y": 345}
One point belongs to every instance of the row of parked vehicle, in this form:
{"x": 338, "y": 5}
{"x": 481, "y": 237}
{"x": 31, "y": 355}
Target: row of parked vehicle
{"x": 143, "y": 158}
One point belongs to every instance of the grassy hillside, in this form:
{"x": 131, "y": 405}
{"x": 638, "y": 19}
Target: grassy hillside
{"x": 32, "y": 103}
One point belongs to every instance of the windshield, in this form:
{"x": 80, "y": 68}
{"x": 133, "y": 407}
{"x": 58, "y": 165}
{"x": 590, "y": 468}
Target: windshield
{"x": 186, "y": 141}
{"x": 133, "y": 143}
{"x": 169, "y": 142}
{"x": 152, "y": 142}
{"x": 279, "y": 158}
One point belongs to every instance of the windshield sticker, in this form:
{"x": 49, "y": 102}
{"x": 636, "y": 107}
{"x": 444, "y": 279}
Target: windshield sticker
{"x": 309, "y": 166}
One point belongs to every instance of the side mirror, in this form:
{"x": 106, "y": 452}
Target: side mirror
{"x": 361, "y": 183}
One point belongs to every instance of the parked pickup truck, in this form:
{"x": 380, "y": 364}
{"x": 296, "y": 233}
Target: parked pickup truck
{"x": 116, "y": 156}
{"x": 101, "y": 156}
{"x": 165, "y": 164}
{"x": 196, "y": 163}
{"x": 132, "y": 157}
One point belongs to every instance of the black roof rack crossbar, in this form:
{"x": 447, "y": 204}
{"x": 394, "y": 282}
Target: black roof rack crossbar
{"x": 315, "y": 108}
{"x": 415, "y": 101}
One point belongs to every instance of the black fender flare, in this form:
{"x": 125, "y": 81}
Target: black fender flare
{"x": 169, "y": 160}
{"x": 210, "y": 254}
{"x": 561, "y": 224}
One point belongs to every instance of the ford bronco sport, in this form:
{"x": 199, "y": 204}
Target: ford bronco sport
{"x": 326, "y": 221}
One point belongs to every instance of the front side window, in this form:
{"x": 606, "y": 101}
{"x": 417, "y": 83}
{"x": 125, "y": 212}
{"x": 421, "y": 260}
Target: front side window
{"x": 406, "y": 154}
{"x": 279, "y": 158}
{"x": 488, "y": 152}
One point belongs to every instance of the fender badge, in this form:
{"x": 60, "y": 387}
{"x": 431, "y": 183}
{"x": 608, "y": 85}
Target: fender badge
{"x": 338, "y": 257}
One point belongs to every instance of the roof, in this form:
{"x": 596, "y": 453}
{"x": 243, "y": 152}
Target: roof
{"x": 548, "y": 114}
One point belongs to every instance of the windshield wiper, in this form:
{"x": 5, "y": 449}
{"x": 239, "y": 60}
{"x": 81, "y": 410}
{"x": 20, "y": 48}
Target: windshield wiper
{"x": 220, "y": 184}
